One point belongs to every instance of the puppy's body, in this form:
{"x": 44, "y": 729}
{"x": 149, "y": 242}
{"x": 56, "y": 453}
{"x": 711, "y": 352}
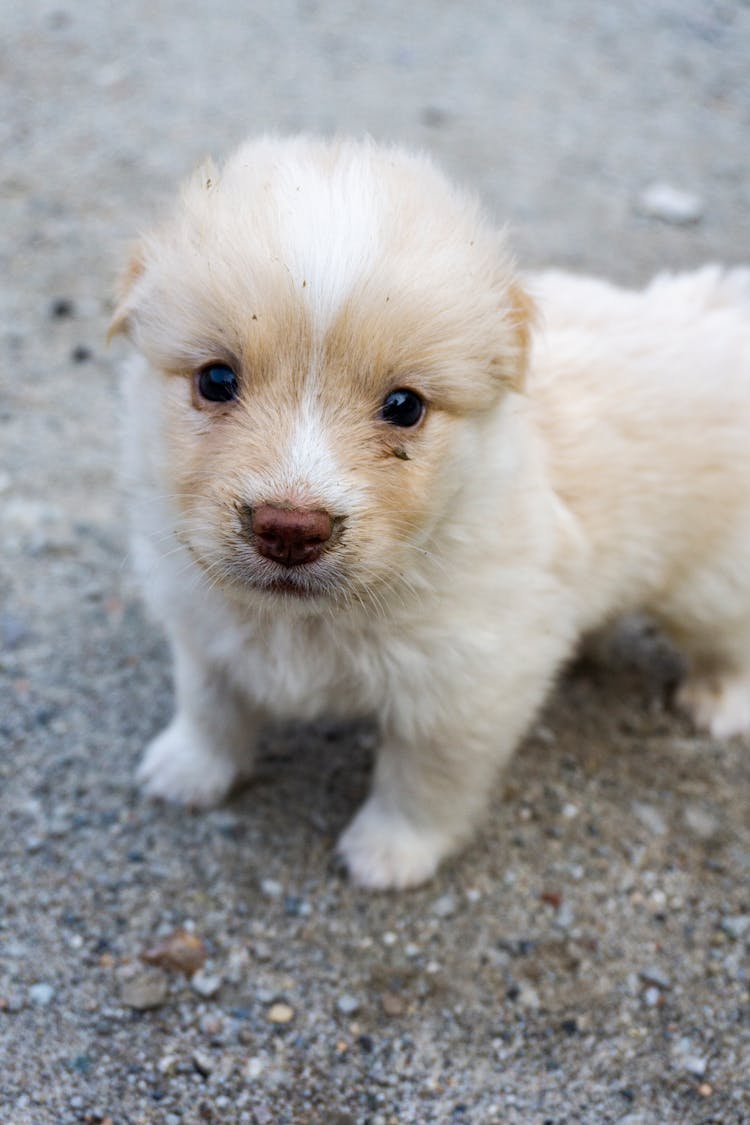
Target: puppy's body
{"x": 560, "y": 475}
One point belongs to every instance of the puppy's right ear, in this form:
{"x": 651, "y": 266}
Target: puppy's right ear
{"x": 120, "y": 323}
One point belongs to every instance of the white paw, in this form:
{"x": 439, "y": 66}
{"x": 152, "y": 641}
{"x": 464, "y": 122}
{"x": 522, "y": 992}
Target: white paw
{"x": 382, "y": 849}
{"x": 178, "y": 766}
{"x": 719, "y": 705}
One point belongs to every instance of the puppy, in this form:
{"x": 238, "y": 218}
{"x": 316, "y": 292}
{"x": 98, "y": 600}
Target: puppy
{"x": 368, "y": 478}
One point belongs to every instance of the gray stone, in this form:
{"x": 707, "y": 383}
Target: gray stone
{"x": 348, "y": 1005}
{"x": 445, "y": 906}
{"x": 652, "y": 974}
{"x": 206, "y": 984}
{"x": 41, "y": 994}
{"x": 650, "y": 818}
{"x": 670, "y": 204}
{"x": 700, "y": 822}
{"x": 736, "y": 925}
{"x": 146, "y": 989}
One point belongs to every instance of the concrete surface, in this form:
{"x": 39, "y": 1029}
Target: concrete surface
{"x": 586, "y": 959}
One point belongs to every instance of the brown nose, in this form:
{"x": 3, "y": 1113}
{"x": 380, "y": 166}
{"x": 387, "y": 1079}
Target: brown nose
{"x": 290, "y": 536}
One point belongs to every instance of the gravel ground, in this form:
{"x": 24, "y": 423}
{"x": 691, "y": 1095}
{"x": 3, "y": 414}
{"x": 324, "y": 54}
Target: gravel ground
{"x": 586, "y": 960}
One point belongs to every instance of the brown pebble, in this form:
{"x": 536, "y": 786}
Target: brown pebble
{"x": 552, "y": 898}
{"x": 705, "y": 1089}
{"x": 392, "y": 1004}
{"x": 180, "y": 952}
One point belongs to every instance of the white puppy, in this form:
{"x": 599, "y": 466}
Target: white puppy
{"x": 368, "y": 479}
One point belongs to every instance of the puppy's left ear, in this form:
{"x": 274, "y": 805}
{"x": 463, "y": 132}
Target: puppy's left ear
{"x": 520, "y": 316}
{"x": 120, "y": 323}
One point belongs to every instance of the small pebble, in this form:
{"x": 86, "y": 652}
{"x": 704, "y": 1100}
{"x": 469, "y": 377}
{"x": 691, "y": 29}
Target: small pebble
{"x": 685, "y": 1058}
{"x": 652, "y": 996}
{"x": 81, "y": 353}
{"x": 347, "y": 1005}
{"x": 445, "y": 906}
{"x": 167, "y": 1064}
{"x": 736, "y": 925}
{"x": 271, "y": 888}
{"x": 392, "y": 1004}
{"x": 565, "y": 917}
{"x": 62, "y": 308}
{"x": 652, "y": 974}
{"x": 206, "y": 984}
{"x": 280, "y": 1013}
{"x": 181, "y": 951}
{"x": 650, "y": 818}
{"x": 203, "y": 1063}
{"x": 253, "y": 1068}
{"x": 433, "y": 116}
{"x": 670, "y": 204}
{"x": 41, "y": 994}
{"x": 147, "y": 989}
{"x": 700, "y": 822}
{"x": 262, "y": 951}
{"x": 528, "y": 997}
{"x": 296, "y": 907}
{"x": 211, "y": 1025}
{"x": 705, "y": 1089}
{"x": 545, "y": 735}
{"x": 694, "y": 1065}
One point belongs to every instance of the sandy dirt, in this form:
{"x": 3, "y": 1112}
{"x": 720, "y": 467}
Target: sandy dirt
{"x": 586, "y": 959}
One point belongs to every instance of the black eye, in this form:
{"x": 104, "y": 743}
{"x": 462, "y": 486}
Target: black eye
{"x": 402, "y": 408}
{"x": 218, "y": 383}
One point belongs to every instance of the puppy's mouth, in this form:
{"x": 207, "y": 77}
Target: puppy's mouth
{"x": 316, "y": 581}
{"x": 293, "y": 585}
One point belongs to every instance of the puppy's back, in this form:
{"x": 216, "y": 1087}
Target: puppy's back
{"x": 643, "y": 398}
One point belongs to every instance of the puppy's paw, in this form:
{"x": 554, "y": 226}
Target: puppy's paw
{"x": 718, "y": 704}
{"x": 179, "y": 766}
{"x": 383, "y": 850}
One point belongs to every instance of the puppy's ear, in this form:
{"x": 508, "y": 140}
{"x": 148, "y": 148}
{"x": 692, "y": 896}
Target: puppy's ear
{"x": 120, "y": 323}
{"x": 521, "y": 315}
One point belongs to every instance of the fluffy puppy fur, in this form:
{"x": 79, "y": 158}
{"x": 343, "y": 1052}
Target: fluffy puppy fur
{"x": 570, "y": 465}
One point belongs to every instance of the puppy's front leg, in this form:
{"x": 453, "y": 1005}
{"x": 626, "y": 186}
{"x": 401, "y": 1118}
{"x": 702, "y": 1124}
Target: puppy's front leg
{"x": 425, "y": 801}
{"x": 209, "y": 744}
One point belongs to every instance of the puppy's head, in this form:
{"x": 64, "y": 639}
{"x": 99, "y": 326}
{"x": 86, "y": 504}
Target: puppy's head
{"x": 327, "y": 325}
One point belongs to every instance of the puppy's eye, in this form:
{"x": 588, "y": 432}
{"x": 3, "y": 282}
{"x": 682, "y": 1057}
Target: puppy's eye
{"x": 402, "y": 408}
{"x": 218, "y": 383}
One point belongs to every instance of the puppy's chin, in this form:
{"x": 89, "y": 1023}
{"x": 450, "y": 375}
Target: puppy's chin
{"x": 258, "y": 582}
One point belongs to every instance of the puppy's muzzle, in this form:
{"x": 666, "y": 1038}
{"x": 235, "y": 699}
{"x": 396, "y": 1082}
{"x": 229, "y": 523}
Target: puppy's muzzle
{"x": 289, "y": 536}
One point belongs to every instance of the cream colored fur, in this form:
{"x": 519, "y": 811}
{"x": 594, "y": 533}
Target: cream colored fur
{"x": 568, "y": 469}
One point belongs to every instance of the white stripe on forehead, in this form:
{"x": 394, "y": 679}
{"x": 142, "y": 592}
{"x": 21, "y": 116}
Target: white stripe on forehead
{"x": 328, "y": 222}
